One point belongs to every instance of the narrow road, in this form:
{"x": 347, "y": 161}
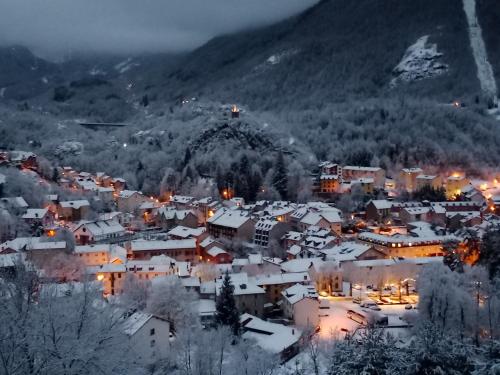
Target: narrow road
{"x": 484, "y": 69}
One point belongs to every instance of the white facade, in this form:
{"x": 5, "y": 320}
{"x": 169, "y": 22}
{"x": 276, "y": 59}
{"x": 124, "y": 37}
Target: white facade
{"x": 149, "y": 337}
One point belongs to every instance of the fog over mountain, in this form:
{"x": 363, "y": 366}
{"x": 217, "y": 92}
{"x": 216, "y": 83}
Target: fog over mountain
{"x": 55, "y": 28}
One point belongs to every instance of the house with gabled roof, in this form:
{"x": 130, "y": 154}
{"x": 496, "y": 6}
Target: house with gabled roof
{"x": 149, "y": 336}
{"x": 231, "y": 224}
{"x": 88, "y": 232}
{"x": 301, "y": 305}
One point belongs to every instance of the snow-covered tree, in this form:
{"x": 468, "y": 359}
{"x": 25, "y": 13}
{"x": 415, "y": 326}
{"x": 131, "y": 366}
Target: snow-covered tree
{"x": 46, "y": 332}
{"x": 170, "y": 300}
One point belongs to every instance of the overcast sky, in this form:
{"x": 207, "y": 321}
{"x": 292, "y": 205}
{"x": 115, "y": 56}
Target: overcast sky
{"x": 52, "y": 27}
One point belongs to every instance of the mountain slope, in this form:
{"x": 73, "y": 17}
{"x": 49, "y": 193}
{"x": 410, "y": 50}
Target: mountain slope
{"x": 336, "y": 51}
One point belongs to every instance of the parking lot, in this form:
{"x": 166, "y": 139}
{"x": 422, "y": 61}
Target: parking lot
{"x": 334, "y": 320}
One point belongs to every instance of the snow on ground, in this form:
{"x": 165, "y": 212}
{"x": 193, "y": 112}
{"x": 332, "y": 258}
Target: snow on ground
{"x": 334, "y": 318}
{"x": 420, "y": 61}
{"x": 69, "y": 147}
{"x": 125, "y": 65}
{"x": 96, "y": 71}
{"x": 484, "y": 69}
{"x": 277, "y": 58}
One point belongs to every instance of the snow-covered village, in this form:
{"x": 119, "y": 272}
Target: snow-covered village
{"x": 298, "y": 188}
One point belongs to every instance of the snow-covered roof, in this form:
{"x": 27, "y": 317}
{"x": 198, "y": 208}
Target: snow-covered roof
{"x": 239, "y": 262}
{"x": 185, "y": 232}
{"x": 363, "y": 180}
{"x": 228, "y": 218}
{"x": 75, "y": 204}
{"x": 191, "y": 282}
{"x": 149, "y": 205}
{"x": 346, "y": 251}
{"x": 57, "y": 245}
{"x": 214, "y": 251}
{"x": 16, "y": 201}
{"x": 106, "y": 268}
{"x": 135, "y": 322}
{"x": 35, "y": 213}
{"x": 318, "y": 243}
{"x": 255, "y": 258}
{"x": 293, "y": 236}
{"x": 103, "y": 248}
{"x": 332, "y": 216}
{"x": 298, "y": 292}
{"x": 425, "y": 177}
{"x": 403, "y": 240}
{"x": 282, "y": 278}
{"x": 103, "y": 227}
{"x": 412, "y": 170}
{"x": 300, "y": 265}
{"x": 381, "y": 204}
{"x": 393, "y": 261}
{"x": 171, "y": 213}
{"x": 364, "y": 169}
{"x": 242, "y": 284}
{"x": 182, "y": 199}
{"x": 417, "y": 210}
{"x": 145, "y": 245}
{"x": 128, "y": 193}
{"x": 329, "y": 177}
{"x": 160, "y": 264}
{"x": 271, "y": 337}
{"x": 294, "y": 250}
{"x": 266, "y": 224}
{"x": 18, "y": 243}
{"x": 101, "y": 189}
{"x": 207, "y": 241}
{"x": 206, "y": 307}
{"x": 312, "y": 218}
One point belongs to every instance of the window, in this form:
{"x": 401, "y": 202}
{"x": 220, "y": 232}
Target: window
{"x": 152, "y": 343}
{"x": 151, "y": 331}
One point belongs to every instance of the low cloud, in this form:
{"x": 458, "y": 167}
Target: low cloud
{"x": 56, "y": 27}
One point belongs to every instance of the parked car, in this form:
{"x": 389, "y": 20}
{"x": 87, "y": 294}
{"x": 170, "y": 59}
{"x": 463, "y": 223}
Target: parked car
{"x": 356, "y": 300}
{"x": 408, "y": 307}
{"x": 323, "y": 293}
{"x": 324, "y": 304}
{"x": 368, "y": 304}
{"x": 375, "y": 308}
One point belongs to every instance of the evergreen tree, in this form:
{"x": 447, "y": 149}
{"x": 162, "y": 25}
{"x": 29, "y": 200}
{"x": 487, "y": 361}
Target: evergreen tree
{"x": 452, "y": 257}
{"x": 256, "y": 183}
{"x": 145, "y": 100}
{"x": 242, "y": 186}
{"x": 187, "y": 157}
{"x": 429, "y": 193}
{"x": 55, "y": 174}
{"x": 227, "y": 313}
{"x": 280, "y": 177}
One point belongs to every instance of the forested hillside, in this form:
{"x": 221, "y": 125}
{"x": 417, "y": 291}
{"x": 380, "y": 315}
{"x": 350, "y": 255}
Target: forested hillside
{"x": 364, "y": 82}
{"x": 337, "y": 51}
